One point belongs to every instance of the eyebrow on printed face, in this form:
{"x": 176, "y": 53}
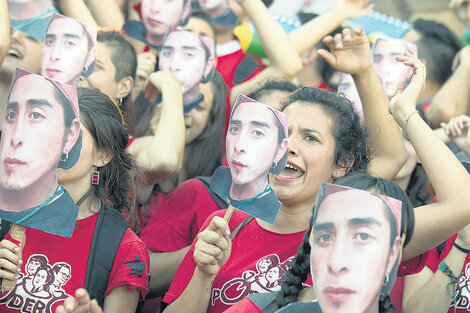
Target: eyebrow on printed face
{"x": 357, "y": 221}
{"x": 30, "y": 102}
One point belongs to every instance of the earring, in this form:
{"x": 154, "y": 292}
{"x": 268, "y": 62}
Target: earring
{"x": 64, "y": 157}
{"x": 95, "y": 178}
{"x": 120, "y": 101}
{"x": 274, "y": 165}
{"x": 386, "y": 280}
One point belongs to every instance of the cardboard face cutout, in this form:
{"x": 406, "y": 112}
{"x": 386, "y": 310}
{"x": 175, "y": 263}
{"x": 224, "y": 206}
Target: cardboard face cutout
{"x": 347, "y": 87}
{"x": 41, "y": 132}
{"x": 158, "y": 17}
{"x": 191, "y": 58}
{"x": 219, "y": 11}
{"x": 389, "y": 70}
{"x": 256, "y": 145}
{"x": 31, "y": 16}
{"x": 69, "y": 50}
{"x": 355, "y": 248}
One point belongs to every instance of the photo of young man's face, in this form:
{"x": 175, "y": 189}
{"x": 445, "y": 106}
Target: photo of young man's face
{"x": 190, "y": 58}
{"x": 389, "y": 70}
{"x": 159, "y": 16}
{"x": 255, "y": 144}
{"x": 348, "y": 89}
{"x": 69, "y": 50}
{"x": 355, "y": 245}
{"x": 40, "y": 130}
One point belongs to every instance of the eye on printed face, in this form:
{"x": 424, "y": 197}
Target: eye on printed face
{"x": 252, "y": 143}
{"x": 183, "y": 55}
{"x": 33, "y": 134}
{"x": 351, "y": 252}
{"x": 349, "y": 90}
{"x": 159, "y": 15}
{"x": 65, "y": 53}
{"x": 389, "y": 70}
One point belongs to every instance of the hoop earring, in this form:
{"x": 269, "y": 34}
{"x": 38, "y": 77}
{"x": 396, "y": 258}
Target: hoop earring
{"x": 95, "y": 178}
{"x": 64, "y": 158}
{"x": 274, "y": 165}
{"x": 387, "y": 279}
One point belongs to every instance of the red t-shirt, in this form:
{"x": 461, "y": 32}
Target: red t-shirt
{"x": 258, "y": 262}
{"x": 176, "y": 222}
{"x": 54, "y": 267}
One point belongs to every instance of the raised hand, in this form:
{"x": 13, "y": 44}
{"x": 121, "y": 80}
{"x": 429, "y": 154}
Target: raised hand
{"x": 458, "y": 131}
{"x": 158, "y": 81}
{"x": 80, "y": 304}
{"x": 349, "y": 51}
{"x": 213, "y": 247}
{"x": 354, "y": 8}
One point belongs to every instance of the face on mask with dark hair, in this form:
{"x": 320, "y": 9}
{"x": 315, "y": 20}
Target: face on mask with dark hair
{"x": 159, "y": 15}
{"x": 351, "y": 253}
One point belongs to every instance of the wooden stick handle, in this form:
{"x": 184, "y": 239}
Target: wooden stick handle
{"x": 229, "y": 213}
{"x": 17, "y": 232}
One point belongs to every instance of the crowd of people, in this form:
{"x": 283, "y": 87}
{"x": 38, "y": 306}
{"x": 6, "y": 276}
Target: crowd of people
{"x": 130, "y": 129}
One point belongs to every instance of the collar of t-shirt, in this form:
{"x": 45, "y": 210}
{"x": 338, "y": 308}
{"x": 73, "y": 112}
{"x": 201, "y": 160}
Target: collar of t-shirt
{"x": 227, "y": 48}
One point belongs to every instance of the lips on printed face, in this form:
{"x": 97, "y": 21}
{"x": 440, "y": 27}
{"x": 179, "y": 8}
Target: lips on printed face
{"x": 338, "y": 295}
{"x": 12, "y": 164}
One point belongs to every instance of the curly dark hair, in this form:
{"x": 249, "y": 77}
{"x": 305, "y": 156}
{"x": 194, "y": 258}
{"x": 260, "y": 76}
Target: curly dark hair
{"x": 350, "y": 136}
{"x": 102, "y": 118}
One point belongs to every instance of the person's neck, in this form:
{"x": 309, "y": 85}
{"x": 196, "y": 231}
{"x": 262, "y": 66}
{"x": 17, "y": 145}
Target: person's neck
{"x": 218, "y": 10}
{"x": 429, "y": 91}
{"x": 5, "y": 80}
{"x": 292, "y": 218}
{"x": 190, "y": 95}
{"x": 77, "y": 189}
{"x": 223, "y": 34}
{"x": 248, "y": 191}
{"x": 308, "y": 76}
{"x": 21, "y": 11}
{"x": 155, "y": 40}
{"x": 402, "y": 182}
{"x": 307, "y": 294}
{"x": 30, "y": 197}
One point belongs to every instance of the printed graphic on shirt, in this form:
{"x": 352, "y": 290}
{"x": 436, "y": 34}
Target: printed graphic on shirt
{"x": 268, "y": 277}
{"x": 40, "y": 287}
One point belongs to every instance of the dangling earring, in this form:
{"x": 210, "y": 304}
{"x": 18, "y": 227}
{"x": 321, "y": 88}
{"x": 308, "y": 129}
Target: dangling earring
{"x": 95, "y": 178}
{"x": 120, "y": 101}
{"x": 64, "y": 157}
{"x": 386, "y": 280}
{"x": 274, "y": 165}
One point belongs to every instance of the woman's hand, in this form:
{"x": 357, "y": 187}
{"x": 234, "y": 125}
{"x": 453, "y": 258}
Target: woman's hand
{"x": 213, "y": 247}
{"x": 80, "y": 304}
{"x": 404, "y": 102}
{"x": 458, "y": 131}
{"x": 10, "y": 263}
{"x": 146, "y": 62}
{"x": 354, "y": 8}
{"x": 349, "y": 51}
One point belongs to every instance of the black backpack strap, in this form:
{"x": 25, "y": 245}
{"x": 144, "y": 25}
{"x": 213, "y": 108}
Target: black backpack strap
{"x": 244, "y": 69}
{"x": 4, "y": 228}
{"x": 206, "y": 180}
{"x": 109, "y": 230}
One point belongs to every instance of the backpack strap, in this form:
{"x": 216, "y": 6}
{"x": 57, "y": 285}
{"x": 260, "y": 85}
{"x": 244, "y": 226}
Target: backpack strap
{"x": 109, "y": 230}
{"x": 244, "y": 69}
{"x": 4, "y": 228}
{"x": 206, "y": 180}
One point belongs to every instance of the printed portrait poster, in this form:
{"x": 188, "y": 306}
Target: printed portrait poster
{"x": 219, "y": 11}
{"x": 41, "y": 133}
{"x": 158, "y": 17}
{"x": 348, "y": 89}
{"x": 31, "y": 16}
{"x": 355, "y": 250}
{"x": 389, "y": 70}
{"x": 191, "y": 58}
{"x": 256, "y": 145}
{"x": 70, "y": 50}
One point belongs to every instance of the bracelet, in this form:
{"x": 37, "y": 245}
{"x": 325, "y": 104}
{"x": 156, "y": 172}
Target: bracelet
{"x": 453, "y": 280}
{"x": 406, "y": 124}
{"x": 466, "y": 251}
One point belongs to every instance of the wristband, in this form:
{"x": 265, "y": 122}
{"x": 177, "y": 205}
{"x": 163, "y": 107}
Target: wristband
{"x": 453, "y": 280}
{"x": 466, "y": 251}
{"x": 406, "y": 124}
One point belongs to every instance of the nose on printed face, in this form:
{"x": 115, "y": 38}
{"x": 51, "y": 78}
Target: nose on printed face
{"x": 17, "y": 135}
{"x": 339, "y": 258}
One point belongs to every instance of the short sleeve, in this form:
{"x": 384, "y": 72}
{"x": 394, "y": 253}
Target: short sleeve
{"x": 179, "y": 218}
{"x": 131, "y": 265}
{"x": 414, "y": 265}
